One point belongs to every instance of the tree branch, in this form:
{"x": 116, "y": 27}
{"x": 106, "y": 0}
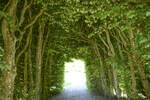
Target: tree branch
{"x": 104, "y": 41}
{"x": 34, "y": 20}
{"x": 44, "y": 44}
{"x": 26, "y": 45}
{"x": 25, "y": 7}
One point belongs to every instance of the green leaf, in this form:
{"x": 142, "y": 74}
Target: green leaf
{"x": 52, "y": 51}
{"x": 148, "y": 13}
{"x": 4, "y": 66}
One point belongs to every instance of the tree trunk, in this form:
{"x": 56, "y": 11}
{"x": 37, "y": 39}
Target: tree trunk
{"x": 25, "y": 76}
{"x": 144, "y": 80}
{"x": 138, "y": 61}
{"x": 45, "y": 78}
{"x": 113, "y": 54}
{"x": 39, "y": 61}
{"x": 116, "y": 81}
{"x": 111, "y": 94}
{"x": 8, "y": 76}
{"x": 101, "y": 68}
{"x": 132, "y": 76}
{"x": 31, "y": 76}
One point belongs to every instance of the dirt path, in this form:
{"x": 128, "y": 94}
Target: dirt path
{"x": 76, "y": 94}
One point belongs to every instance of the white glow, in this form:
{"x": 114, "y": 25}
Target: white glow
{"x": 75, "y": 74}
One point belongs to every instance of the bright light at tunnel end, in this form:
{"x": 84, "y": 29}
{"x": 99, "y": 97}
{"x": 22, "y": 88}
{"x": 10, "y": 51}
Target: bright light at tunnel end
{"x": 75, "y": 74}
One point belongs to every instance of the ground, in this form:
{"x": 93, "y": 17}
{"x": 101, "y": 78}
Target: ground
{"x": 76, "y": 94}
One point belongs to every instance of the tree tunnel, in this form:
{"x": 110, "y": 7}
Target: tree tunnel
{"x": 39, "y": 37}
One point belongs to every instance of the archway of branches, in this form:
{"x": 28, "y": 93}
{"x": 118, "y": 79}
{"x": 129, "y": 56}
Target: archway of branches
{"x": 37, "y": 37}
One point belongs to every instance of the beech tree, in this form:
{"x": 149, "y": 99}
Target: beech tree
{"x": 38, "y": 36}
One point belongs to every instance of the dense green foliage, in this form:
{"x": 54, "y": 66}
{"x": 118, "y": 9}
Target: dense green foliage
{"x": 38, "y": 36}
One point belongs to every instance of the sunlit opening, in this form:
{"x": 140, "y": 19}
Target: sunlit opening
{"x": 75, "y": 74}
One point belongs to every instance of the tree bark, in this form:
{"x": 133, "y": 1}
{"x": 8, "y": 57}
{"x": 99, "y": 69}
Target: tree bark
{"x": 110, "y": 76}
{"x": 145, "y": 82}
{"x": 25, "y": 76}
{"x": 116, "y": 81}
{"x": 8, "y": 76}
{"x": 132, "y": 76}
{"x": 31, "y": 76}
{"x": 39, "y": 60}
{"x": 45, "y": 88}
{"x": 139, "y": 64}
{"x": 101, "y": 68}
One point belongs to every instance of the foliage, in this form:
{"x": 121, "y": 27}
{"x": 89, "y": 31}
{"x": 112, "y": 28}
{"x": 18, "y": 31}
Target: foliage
{"x": 103, "y": 33}
{"x": 3, "y": 65}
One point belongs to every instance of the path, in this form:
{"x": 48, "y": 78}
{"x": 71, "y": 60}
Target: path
{"x": 76, "y": 94}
